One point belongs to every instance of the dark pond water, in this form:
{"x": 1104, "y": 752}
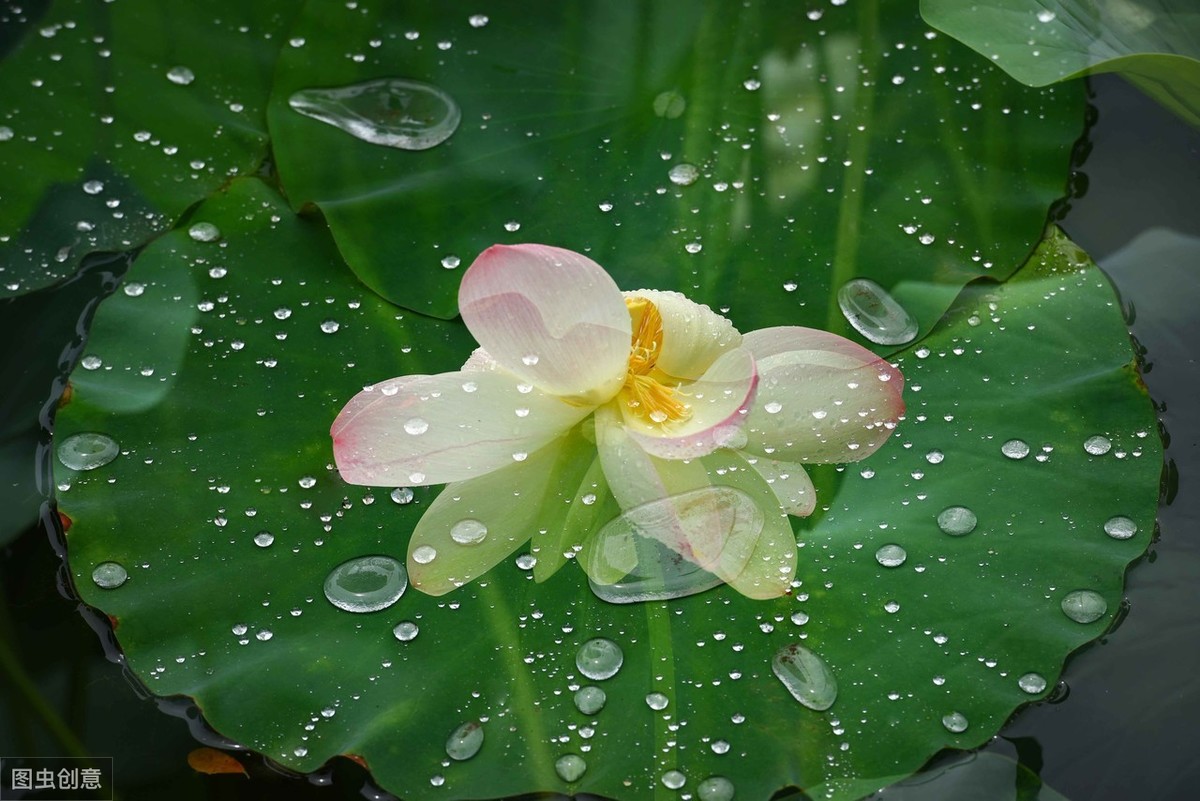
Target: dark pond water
{"x": 1124, "y": 726}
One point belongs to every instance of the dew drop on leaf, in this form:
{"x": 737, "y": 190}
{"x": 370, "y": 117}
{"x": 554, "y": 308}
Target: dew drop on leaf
{"x": 674, "y": 779}
{"x": 1084, "y": 606}
{"x": 468, "y": 532}
{"x": 715, "y": 788}
{"x": 204, "y": 232}
{"x": 366, "y": 584}
{"x": 876, "y": 314}
{"x": 657, "y": 701}
{"x": 393, "y": 112}
{"x": 1120, "y": 527}
{"x": 806, "y": 677}
{"x": 465, "y": 741}
{"x": 955, "y": 722}
{"x": 891, "y": 555}
{"x": 1032, "y": 683}
{"x": 1015, "y": 449}
{"x": 599, "y": 659}
{"x": 406, "y": 631}
{"x": 109, "y": 575}
{"x": 87, "y": 451}
{"x": 570, "y": 767}
{"x": 957, "y": 521}
{"x": 1097, "y": 445}
{"x": 590, "y": 700}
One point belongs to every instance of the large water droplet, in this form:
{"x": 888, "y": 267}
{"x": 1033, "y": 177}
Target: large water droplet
{"x": 87, "y": 451}
{"x": 684, "y": 174}
{"x": 109, "y": 575}
{"x": 465, "y": 741}
{"x": 957, "y": 521}
{"x": 366, "y": 584}
{"x": 570, "y": 768}
{"x": 406, "y": 631}
{"x": 599, "y": 659}
{"x": 264, "y": 539}
{"x": 1120, "y": 527}
{"x": 416, "y": 426}
{"x": 1084, "y": 606}
{"x": 1015, "y": 449}
{"x": 875, "y": 314}
{"x": 402, "y": 495}
{"x": 715, "y": 788}
{"x": 394, "y": 112}
{"x": 468, "y": 532}
{"x": 424, "y": 554}
{"x": 1032, "y": 683}
{"x": 1097, "y": 445}
{"x": 590, "y": 700}
{"x": 657, "y": 701}
{"x": 670, "y": 105}
{"x": 204, "y": 232}
{"x": 955, "y": 722}
{"x": 674, "y": 779}
{"x": 891, "y": 555}
{"x": 181, "y": 76}
{"x": 806, "y": 676}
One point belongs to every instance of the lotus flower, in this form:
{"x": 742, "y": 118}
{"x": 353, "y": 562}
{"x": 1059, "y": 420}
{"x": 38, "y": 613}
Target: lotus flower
{"x": 637, "y": 431}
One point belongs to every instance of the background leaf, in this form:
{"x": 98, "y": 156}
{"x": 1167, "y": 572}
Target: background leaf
{"x": 1153, "y": 43}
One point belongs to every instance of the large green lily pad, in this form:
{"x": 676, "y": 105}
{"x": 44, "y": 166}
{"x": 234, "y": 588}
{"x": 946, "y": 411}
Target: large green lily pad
{"x": 228, "y": 437}
{"x": 849, "y": 142}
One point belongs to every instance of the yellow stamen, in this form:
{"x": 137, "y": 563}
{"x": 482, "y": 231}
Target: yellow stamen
{"x": 644, "y": 393}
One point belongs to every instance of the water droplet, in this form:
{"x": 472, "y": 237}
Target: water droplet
{"x": 87, "y": 451}
{"x": 1097, "y": 445}
{"x": 1046, "y": 15}
{"x": 806, "y": 676}
{"x": 406, "y": 631}
{"x": 366, "y": 584}
{"x": 239, "y": 629}
{"x": 891, "y": 607}
{"x": 529, "y": 359}
{"x": 599, "y": 659}
{"x": 468, "y": 532}
{"x": 590, "y": 700}
{"x": 477, "y": 20}
{"x": 1032, "y": 683}
{"x": 684, "y": 174}
{"x": 720, "y": 747}
{"x": 526, "y": 561}
{"x": 670, "y": 105}
{"x": 715, "y": 788}
{"x": 204, "y": 232}
{"x": 416, "y": 426}
{"x": 402, "y": 495}
{"x": 263, "y": 539}
{"x": 330, "y": 326}
{"x": 570, "y": 767}
{"x": 451, "y": 262}
{"x": 774, "y": 407}
{"x": 1120, "y": 527}
{"x": 891, "y": 555}
{"x": 752, "y": 84}
{"x": 875, "y": 314}
{"x": 181, "y": 76}
{"x": 955, "y": 722}
{"x": 91, "y": 362}
{"x": 307, "y": 482}
{"x": 657, "y": 701}
{"x": 109, "y": 575}
{"x": 957, "y": 521}
{"x": 93, "y": 187}
{"x": 1084, "y": 606}
{"x": 393, "y": 112}
{"x": 693, "y": 247}
{"x": 1015, "y": 449}
{"x": 424, "y": 554}
{"x": 465, "y": 741}
{"x": 263, "y": 635}
{"x": 282, "y": 313}
{"x": 673, "y": 779}
{"x": 799, "y": 618}
{"x": 133, "y": 289}
{"x": 935, "y": 457}
{"x": 512, "y": 226}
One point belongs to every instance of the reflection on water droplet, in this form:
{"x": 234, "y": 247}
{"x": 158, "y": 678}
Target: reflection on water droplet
{"x": 526, "y": 561}
{"x": 657, "y": 701}
{"x": 451, "y": 262}
{"x": 263, "y": 539}
{"x": 1032, "y": 683}
{"x": 684, "y": 174}
{"x": 1015, "y": 449}
{"x": 669, "y": 105}
{"x": 87, "y": 451}
{"x": 1045, "y": 15}
{"x": 590, "y": 700}
{"x": 806, "y": 676}
{"x": 1084, "y": 606}
{"x": 393, "y": 112}
{"x": 891, "y": 555}
{"x": 570, "y": 768}
{"x": 406, "y": 631}
{"x": 424, "y": 554}
{"x": 1120, "y": 527}
{"x": 93, "y": 187}
{"x": 109, "y": 575}
{"x": 875, "y": 314}
{"x": 366, "y": 584}
{"x": 468, "y": 532}
{"x": 133, "y": 289}
{"x": 599, "y": 659}
{"x": 955, "y": 722}
{"x": 935, "y": 457}
{"x": 957, "y": 521}
{"x": 673, "y": 779}
{"x": 91, "y": 362}
{"x": 465, "y": 741}
{"x": 715, "y": 788}
{"x": 416, "y": 426}
{"x": 181, "y": 76}
{"x": 402, "y": 495}
{"x": 330, "y": 326}
{"x": 204, "y": 232}
{"x": 1097, "y": 445}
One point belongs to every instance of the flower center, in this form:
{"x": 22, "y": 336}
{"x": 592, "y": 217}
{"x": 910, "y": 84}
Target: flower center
{"x": 644, "y": 393}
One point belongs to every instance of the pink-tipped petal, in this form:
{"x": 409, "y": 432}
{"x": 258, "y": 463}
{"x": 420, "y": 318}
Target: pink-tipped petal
{"x": 550, "y": 316}
{"x": 716, "y": 404}
{"x": 821, "y": 398}
{"x": 420, "y": 430}
{"x": 694, "y": 336}
{"x": 792, "y": 487}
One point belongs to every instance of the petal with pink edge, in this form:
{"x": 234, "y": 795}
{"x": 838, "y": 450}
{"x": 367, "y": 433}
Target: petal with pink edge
{"x": 420, "y": 430}
{"x": 473, "y": 525}
{"x": 821, "y": 398}
{"x": 693, "y": 334}
{"x": 792, "y": 487}
{"x": 550, "y": 316}
{"x": 716, "y": 403}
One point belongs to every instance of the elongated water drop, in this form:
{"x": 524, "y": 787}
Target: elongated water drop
{"x": 87, "y": 451}
{"x": 366, "y": 584}
{"x": 875, "y": 314}
{"x": 1084, "y": 606}
{"x": 806, "y": 676}
{"x": 394, "y": 112}
{"x": 465, "y": 741}
{"x": 1120, "y": 527}
{"x": 955, "y": 722}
